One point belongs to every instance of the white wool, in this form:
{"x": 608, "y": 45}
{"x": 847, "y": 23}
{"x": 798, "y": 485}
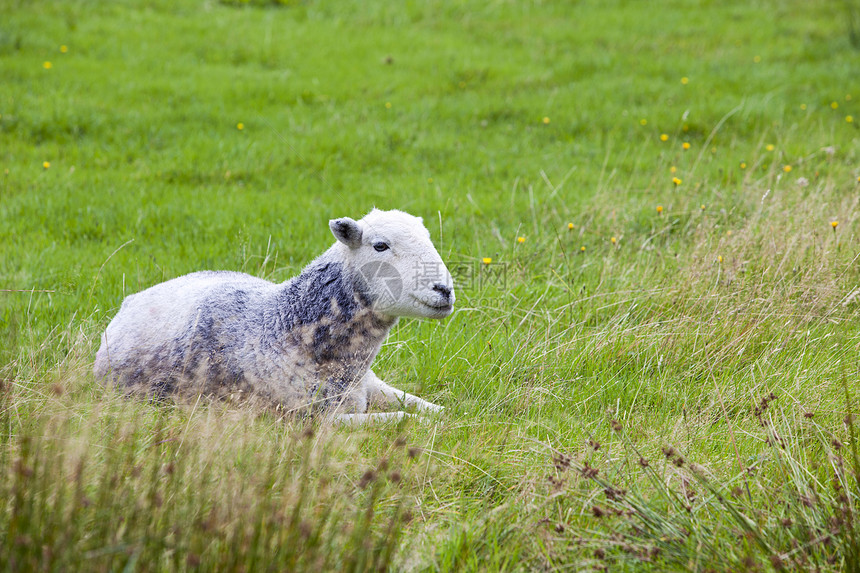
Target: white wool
{"x": 303, "y": 345}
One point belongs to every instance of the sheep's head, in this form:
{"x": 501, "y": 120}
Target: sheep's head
{"x": 392, "y": 252}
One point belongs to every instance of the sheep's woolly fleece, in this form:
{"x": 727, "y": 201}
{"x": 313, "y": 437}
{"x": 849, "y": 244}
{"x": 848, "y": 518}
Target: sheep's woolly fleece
{"x": 303, "y": 345}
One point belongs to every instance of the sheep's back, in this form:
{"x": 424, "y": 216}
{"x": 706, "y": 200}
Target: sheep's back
{"x": 192, "y": 329}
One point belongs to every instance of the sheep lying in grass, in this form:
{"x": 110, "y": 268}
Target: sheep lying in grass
{"x": 302, "y": 346}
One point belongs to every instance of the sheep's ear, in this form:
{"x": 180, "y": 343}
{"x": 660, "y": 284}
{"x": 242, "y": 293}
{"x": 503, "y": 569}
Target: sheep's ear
{"x": 346, "y": 231}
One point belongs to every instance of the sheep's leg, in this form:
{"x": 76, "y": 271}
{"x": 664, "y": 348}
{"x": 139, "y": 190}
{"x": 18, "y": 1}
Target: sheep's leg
{"x": 379, "y": 391}
{"x": 361, "y": 419}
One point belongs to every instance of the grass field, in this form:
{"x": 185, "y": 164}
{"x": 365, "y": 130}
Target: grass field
{"x": 659, "y": 376}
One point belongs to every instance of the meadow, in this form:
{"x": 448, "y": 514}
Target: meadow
{"x": 653, "y": 209}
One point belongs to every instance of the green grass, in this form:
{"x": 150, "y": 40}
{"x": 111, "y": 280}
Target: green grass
{"x": 674, "y": 334}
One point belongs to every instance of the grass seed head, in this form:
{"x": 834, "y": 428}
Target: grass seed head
{"x": 589, "y": 472}
{"x": 368, "y": 477}
{"x": 777, "y": 562}
{"x": 561, "y": 462}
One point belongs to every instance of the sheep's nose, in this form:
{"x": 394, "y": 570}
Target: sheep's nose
{"x": 443, "y": 290}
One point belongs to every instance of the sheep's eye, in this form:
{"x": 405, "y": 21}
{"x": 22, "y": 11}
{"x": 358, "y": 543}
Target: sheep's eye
{"x": 380, "y": 246}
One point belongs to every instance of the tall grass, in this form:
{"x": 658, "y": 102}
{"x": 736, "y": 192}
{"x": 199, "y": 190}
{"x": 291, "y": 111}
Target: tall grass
{"x": 100, "y": 483}
{"x": 705, "y": 423}
{"x": 669, "y": 511}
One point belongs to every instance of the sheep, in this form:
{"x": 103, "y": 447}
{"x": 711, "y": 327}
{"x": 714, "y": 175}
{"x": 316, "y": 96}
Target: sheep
{"x": 302, "y": 346}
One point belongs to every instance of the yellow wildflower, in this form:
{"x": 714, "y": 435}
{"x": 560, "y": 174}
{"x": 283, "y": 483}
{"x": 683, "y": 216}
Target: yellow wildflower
{"x": 787, "y": 168}
{"x": 570, "y": 226}
{"x": 664, "y": 137}
{"x": 702, "y": 207}
{"x": 545, "y": 120}
{"x": 613, "y": 240}
{"x": 582, "y": 249}
{"x": 673, "y": 170}
{"x": 834, "y": 105}
{"x": 521, "y": 240}
{"x": 643, "y": 122}
{"x": 676, "y": 181}
{"x": 46, "y": 164}
{"x": 47, "y": 65}
{"x": 486, "y": 260}
{"x": 743, "y": 165}
{"x": 659, "y": 209}
{"x": 720, "y": 259}
{"x": 849, "y": 118}
{"x": 769, "y": 147}
{"x": 64, "y": 49}
{"x": 685, "y": 81}
{"x": 834, "y": 224}
{"x": 686, "y": 145}
{"x": 240, "y": 126}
